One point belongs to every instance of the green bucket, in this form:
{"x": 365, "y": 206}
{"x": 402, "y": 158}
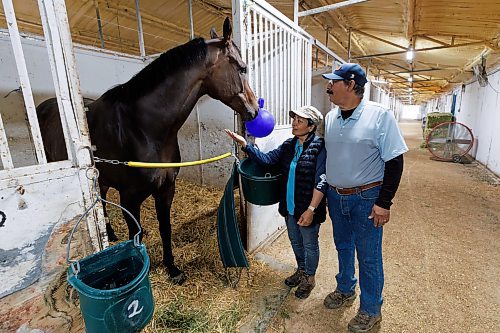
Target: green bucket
{"x": 114, "y": 289}
{"x": 260, "y": 184}
{"x": 113, "y": 284}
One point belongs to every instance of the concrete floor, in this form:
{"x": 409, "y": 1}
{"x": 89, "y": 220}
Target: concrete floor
{"x": 441, "y": 254}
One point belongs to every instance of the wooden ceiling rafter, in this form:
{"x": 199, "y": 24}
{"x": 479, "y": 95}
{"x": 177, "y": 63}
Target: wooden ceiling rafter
{"x": 147, "y": 18}
{"x": 434, "y": 40}
{"x": 385, "y": 54}
{"x": 344, "y": 24}
{"x": 486, "y": 51}
{"x": 379, "y": 39}
{"x": 336, "y": 38}
{"x": 214, "y": 9}
{"x": 410, "y": 20}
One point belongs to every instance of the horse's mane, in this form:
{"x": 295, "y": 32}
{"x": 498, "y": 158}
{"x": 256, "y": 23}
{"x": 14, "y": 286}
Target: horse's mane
{"x": 153, "y": 74}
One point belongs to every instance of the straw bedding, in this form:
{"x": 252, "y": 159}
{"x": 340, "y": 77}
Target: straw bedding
{"x": 205, "y": 302}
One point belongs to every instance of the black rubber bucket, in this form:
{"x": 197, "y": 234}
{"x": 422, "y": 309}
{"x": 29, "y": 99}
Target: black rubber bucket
{"x": 260, "y": 184}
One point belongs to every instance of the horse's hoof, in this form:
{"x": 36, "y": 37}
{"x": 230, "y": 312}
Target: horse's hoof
{"x": 112, "y": 237}
{"x": 111, "y": 233}
{"x": 179, "y": 279}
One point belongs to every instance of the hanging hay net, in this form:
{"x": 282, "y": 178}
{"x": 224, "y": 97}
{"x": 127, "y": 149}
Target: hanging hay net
{"x": 205, "y": 302}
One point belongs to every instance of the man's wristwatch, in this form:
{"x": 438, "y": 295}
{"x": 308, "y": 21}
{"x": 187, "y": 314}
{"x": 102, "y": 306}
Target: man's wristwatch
{"x": 311, "y": 208}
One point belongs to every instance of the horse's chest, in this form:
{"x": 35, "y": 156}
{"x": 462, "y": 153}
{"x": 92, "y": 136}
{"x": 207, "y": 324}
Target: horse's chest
{"x": 160, "y": 176}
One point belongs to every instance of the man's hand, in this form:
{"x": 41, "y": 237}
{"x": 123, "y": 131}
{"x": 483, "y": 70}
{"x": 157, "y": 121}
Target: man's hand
{"x": 380, "y": 216}
{"x": 306, "y": 218}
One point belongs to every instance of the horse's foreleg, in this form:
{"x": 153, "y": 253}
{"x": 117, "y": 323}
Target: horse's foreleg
{"x": 163, "y": 203}
{"x": 109, "y": 229}
{"x": 132, "y": 202}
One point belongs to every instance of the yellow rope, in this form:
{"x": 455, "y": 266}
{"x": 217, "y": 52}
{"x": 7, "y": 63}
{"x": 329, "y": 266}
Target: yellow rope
{"x": 174, "y": 165}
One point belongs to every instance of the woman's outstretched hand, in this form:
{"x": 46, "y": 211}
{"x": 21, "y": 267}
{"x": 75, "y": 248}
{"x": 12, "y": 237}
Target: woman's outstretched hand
{"x": 236, "y": 138}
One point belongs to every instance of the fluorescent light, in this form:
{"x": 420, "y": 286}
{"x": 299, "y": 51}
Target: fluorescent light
{"x": 410, "y": 55}
{"x": 410, "y": 89}
{"x": 379, "y": 81}
{"x": 410, "y": 78}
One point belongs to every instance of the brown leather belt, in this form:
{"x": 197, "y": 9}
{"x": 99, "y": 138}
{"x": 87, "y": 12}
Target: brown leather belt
{"x": 357, "y": 189}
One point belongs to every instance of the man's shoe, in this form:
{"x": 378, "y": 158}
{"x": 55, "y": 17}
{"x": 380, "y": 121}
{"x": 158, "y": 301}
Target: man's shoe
{"x": 294, "y": 279}
{"x": 305, "y": 287}
{"x": 363, "y": 322}
{"x": 337, "y": 299}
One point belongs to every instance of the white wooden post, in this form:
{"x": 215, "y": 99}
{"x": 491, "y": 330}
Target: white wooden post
{"x": 17, "y": 48}
{"x": 60, "y": 48}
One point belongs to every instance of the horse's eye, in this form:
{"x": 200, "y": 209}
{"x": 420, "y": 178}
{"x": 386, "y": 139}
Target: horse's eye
{"x": 243, "y": 70}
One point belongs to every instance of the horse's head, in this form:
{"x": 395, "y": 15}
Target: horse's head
{"x": 226, "y": 79}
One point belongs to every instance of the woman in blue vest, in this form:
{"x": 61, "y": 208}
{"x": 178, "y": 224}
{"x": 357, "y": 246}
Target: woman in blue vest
{"x": 301, "y": 160}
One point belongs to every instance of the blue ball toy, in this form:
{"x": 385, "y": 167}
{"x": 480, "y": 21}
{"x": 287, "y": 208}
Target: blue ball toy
{"x": 263, "y": 124}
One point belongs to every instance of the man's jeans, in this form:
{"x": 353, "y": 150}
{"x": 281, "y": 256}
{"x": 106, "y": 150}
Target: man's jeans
{"x": 353, "y": 230}
{"x": 305, "y": 244}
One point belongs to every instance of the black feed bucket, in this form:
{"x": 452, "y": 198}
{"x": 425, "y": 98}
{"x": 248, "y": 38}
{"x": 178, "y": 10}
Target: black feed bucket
{"x": 260, "y": 184}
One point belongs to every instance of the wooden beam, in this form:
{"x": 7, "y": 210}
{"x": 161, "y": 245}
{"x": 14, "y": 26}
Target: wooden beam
{"x": 421, "y": 50}
{"x": 471, "y": 63}
{"x": 329, "y": 7}
{"x": 214, "y": 9}
{"x": 410, "y": 23}
{"x": 148, "y": 18}
{"x": 419, "y": 71}
{"x": 433, "y": 40}
{"x": 112, "y": 42}
{"x": 418, "y": 81}
{"x": 344, "y": 24}
{"x": 329, "y": 33}
{"x": 379, "y": 39}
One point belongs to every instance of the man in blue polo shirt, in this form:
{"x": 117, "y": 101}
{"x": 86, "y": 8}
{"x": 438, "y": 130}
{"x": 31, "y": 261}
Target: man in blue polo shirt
{"x": 363, "y": 168}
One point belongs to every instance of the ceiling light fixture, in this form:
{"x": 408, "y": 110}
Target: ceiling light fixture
{"x": 410, "y": 55}
{"x": 410, "y": 78}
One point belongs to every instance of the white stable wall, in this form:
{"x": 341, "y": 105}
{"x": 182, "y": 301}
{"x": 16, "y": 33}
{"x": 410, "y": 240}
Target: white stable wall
{"x": 98, "y": 72}
{"x": 379, "y": 95}
{"x": 411, "y": 112}
{"x": 478, "y": 108}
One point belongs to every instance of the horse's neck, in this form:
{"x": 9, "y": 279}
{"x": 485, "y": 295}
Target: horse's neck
{"x": 171, "y": 103}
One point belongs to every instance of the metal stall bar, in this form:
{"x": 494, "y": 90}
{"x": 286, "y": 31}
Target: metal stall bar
{"x": 29, "y": 102}
{"x": 255, "y": 46}
{"x": 272, "y": 99}
{"x": 139, "y": 28}
{"x": 4, "y": 148}
{"x": 282, "y": 75}
{"x": 261, "y": 57}
{"x": 266, "y": 56}
{"x": 308, "y": 72}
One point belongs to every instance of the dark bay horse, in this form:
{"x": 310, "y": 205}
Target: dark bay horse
{"x": 139, "y": 121}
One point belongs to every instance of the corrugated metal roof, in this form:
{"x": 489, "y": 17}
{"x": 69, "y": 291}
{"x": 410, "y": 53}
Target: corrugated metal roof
{"x": 426, "y": 23}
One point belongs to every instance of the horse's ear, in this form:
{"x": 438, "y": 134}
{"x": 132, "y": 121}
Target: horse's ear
{"x": 228, "y": 30}
{"x": 213, "y": 33}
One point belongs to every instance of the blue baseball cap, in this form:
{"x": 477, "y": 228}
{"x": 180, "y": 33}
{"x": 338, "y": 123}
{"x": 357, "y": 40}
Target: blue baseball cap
{"x": 348, "y": 71}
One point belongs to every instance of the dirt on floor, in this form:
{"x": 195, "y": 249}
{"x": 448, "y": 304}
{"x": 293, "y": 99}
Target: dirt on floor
{"x": 441, "y": 254}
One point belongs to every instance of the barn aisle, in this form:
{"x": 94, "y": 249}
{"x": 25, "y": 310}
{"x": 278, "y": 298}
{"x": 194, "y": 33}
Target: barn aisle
{"x": 441, "y": 254}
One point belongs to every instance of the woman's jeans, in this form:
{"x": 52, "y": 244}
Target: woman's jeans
{"x": 352, "y": 230}
{"x": 305, "y": 244}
